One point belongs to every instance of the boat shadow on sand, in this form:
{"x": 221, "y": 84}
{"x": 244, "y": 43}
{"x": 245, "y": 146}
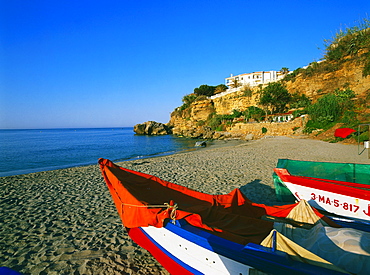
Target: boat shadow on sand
{"x": 258, "y": 192}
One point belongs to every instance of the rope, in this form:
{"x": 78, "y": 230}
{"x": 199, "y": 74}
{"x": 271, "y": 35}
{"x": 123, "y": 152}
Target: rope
{"x": 167, "y": 205}
{"x": 173, "y": 212}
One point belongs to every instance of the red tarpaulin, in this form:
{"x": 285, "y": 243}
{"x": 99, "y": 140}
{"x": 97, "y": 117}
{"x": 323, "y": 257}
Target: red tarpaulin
{"x": 343, "y": 132}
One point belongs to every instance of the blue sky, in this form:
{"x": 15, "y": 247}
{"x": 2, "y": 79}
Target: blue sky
{"x": 119, "y": 63}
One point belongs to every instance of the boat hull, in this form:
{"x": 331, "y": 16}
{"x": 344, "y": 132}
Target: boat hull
{"x": 183, "y": 249}
{"x": 180, "y": 256}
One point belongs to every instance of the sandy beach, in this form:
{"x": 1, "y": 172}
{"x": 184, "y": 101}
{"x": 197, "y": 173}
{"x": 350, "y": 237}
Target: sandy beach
{"x": 64, "y": 221}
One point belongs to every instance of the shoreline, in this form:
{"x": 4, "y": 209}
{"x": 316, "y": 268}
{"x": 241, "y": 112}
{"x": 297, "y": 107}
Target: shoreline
{"x": 64, "y": 221}
{"x": 213, "y": 144}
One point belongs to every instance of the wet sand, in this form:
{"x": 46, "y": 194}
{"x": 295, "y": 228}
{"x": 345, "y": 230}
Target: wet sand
{"x": 64, "y": 221}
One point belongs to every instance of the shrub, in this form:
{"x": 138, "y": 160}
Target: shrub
{"x": 220, "y": 88}
{"x": 366, "y": 69}
{"x": 275, "y": 96}
{"x": 314, "y": 125}
{"x": 237, "y": 113}
{"x": 205, "y": 90}
{"x": 298, "y": 113}
{"x": 292, "y": 76}
{"x": 350, "y": 42}
{"x": 219, "y": 128}
{"x": 247, "y": 90}
{"x": 332, "y": 108}
{"x": 349, "y": 117}
{"x": 264, "y": 130}
{"x": 187, "y": 100}
{"x": 214, "y": 121}
{"x": 345, "y": 94}
{"x": 200, "y": 98}
{"x": 363, "y": 136}
{"x": 326, "y": 108}
{"x": 255, "y": 113}
{"x": 299, "y": 101}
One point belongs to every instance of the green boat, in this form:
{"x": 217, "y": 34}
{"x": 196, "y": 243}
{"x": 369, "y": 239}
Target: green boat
{"x": 337, "y": 188}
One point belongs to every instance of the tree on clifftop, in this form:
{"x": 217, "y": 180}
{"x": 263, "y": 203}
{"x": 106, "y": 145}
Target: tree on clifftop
{"x": 205, "y": 90}
{"x": 284, "y": 70}
{"x": 210, "y": 90}
{"x": 275, "y": 97}
{"x": 220, "y": 88}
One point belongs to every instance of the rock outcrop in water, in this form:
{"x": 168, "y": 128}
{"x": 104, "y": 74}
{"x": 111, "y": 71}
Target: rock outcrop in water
{"x": 152, "y": 128}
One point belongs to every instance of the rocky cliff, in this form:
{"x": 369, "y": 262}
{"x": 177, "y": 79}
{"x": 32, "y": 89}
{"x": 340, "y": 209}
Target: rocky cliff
{"x": 349, "y": 74}
{"x": 192, "y": 122}
{"x": 321, "y": 78}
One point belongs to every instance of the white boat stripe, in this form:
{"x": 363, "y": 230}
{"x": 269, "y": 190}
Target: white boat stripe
{"x": 198, "y": 257}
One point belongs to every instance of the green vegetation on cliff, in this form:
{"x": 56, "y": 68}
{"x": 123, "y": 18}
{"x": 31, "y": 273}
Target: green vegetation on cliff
{"x": 275, "y": 97}
{"x": 332, "y": 108}
{"x": 351, "y": 44}
{"x": 209, "y": 90}
{"x": 201, "y": 93}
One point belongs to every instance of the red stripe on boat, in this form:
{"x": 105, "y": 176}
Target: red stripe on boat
{"x": 139, "y": 237}
{"x": 333, "y": 186}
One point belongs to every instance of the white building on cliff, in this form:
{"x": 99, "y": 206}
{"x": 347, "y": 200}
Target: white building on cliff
{"x": 254, "y": 79}
{"x": 236, "y": 82}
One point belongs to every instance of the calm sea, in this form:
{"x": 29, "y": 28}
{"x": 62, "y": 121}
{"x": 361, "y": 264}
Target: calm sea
{"x": 27, "y": 151}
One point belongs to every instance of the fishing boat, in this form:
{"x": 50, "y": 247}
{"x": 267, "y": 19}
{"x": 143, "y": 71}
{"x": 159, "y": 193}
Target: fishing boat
{"x": 190, "y": 232}
{"x": 338, "y": 188}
